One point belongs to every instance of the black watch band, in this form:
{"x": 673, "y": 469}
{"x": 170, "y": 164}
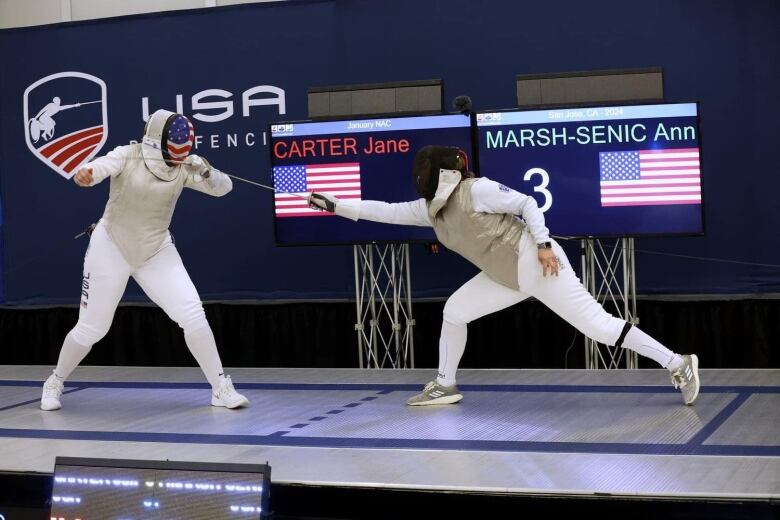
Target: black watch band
{"x": 544, "y": 245}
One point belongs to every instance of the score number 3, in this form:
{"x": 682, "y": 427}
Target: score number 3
{"x": 542, "y": 187}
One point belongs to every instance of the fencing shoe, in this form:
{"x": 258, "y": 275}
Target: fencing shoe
{"x": 227, "y": 396}
{"x": 52, "y": 391}
{"x": 686, "y": 378}
{"x": 434, "y": 393}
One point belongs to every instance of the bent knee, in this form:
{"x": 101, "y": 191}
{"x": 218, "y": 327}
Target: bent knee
{"x": 456, "y": 314}
{"x": 192, "y": 319}
{"x": 87, "y": 335}
{"x": 605, "y": 331}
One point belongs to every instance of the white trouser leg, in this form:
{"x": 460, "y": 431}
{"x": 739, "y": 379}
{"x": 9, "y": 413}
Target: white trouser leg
{"x": 165, "y": 280}
{"x": 566, "y": 296}
{"x": 452, "y": 344}
{"x": 71, "y": 355}
{"x": 478, "y": 297}
{"x": 645, "y": 345}
{"x": 104, "y": 281}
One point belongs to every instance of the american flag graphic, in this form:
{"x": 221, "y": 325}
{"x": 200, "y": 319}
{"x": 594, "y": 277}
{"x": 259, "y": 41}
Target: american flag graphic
{"x": 181, "y": 136}
{"x": 70, "y": 150}
{"x": 650, "y": 177}
{"x": 293, "y": 184}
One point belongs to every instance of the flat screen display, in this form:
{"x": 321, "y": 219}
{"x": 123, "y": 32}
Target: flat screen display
{"x": 124, "y": 489}
{"x": 368, "y": 159}
{"x": 600, "y": 171}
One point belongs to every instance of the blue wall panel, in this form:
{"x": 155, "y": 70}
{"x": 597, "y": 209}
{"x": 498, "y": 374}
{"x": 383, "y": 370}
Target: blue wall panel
{"x": 723, "y": 54}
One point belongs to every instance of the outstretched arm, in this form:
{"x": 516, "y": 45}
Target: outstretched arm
{"x": 414, "y": 213}
{"x": 203, "y": 177}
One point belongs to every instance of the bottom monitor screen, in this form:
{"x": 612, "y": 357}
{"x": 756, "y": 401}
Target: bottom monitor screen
{"x": 116, "y": 490}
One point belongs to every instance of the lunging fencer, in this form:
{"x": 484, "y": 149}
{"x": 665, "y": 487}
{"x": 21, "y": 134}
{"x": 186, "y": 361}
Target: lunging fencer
{"x": 503, "y": 233}
{"x": 132, "y": 239}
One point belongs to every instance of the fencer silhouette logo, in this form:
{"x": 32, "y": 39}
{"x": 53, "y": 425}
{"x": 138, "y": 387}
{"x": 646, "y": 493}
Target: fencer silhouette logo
{"x": 65, "y": 122}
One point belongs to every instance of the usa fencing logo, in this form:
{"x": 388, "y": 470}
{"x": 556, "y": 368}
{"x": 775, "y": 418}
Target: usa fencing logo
{"x": 65, "y": 121}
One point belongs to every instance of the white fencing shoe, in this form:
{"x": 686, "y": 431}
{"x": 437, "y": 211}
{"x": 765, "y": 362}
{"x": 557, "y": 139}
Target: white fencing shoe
{"x": 52, "y": 392}
{"x": 227, "y": 396}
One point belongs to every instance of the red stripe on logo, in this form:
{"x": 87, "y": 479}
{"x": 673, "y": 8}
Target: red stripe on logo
{"x": 76, "y": 161}
{"x": 74, "y": 149}
{"x": 51, "y": 148}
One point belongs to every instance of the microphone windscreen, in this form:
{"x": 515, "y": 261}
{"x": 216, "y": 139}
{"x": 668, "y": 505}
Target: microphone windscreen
{"x": 462, "y": 104}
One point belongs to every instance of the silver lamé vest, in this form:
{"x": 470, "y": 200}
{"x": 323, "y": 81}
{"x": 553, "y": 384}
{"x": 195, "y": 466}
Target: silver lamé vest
{"x": 140, "y": 207}
{"x": 488, "y": 240}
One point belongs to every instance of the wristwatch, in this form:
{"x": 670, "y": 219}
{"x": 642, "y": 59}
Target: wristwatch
{"x": 544, "y": 245}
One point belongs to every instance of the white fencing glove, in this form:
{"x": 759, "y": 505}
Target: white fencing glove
{"x": 198, "y": 166}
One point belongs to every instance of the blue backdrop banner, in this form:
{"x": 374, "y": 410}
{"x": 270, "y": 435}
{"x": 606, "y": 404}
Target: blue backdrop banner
{"x": 77, "y": 90}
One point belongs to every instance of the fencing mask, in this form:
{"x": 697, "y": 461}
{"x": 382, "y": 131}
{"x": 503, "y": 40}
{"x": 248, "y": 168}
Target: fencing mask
{"x": 168, "y": 140}
{"x": 427, "y": 163}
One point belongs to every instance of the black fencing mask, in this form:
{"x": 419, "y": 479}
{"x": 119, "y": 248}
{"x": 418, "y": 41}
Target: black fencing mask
{"x": 427, "y": 163}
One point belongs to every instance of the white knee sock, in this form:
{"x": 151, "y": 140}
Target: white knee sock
{"x": 452, "y": 344}
{"x": 645, "y": 345}
{"x": 71, "y": 354}
{"x": 203, "y": 347}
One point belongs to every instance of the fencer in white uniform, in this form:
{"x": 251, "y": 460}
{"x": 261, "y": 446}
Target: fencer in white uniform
{"x": 132, "y": 239}
{"x": 481, "y": 220}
